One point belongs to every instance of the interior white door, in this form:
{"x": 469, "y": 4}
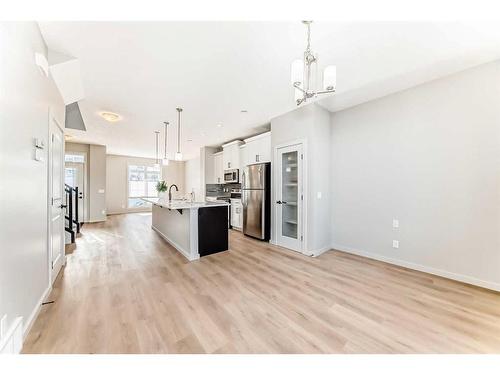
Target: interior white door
{"x": 289, "y": 202}
{"x": 74, "y": 174}
{"x": 56, "y": 198}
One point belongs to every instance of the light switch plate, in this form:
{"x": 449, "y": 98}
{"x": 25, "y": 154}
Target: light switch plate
{"x": 39, "y": 154}
{"x": 395, "y": 223}
{"x": 319, "y": 194}
{"x": 395, "y": 244}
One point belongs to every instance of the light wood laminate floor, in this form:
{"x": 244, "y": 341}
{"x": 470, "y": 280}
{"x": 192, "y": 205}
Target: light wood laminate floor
{"x": 124, "y": 290}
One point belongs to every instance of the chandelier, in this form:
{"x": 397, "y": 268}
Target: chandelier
{"x": 304, "y": 74}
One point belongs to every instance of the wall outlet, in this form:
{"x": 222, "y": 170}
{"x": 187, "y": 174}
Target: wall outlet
{"x": 395, "y": 244}
{"x": 3, "y": 326}
{"x": 395, "y": 223}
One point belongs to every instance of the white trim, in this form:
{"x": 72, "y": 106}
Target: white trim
{"x": 276, "y": 176}
{"x": 258, "y": 136}
{"x": 317, "y": 252}
{"x": 53, "y": 120}
{"x": 12, "y": 342}
{"x": 34, "y": 314}
{"x": 177, "y": 246}
{"x": 237, "y": 142}
{"x": 419, "y": 267}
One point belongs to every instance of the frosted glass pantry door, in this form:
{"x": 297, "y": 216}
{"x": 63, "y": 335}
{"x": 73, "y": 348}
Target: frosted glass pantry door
{"x": 289, "y": 197}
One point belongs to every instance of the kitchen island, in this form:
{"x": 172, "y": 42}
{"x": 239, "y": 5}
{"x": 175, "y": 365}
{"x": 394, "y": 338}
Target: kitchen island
{"x": 195, "y": 229}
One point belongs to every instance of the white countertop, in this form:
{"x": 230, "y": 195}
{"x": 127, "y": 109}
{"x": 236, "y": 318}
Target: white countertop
{"x": 182, "y": 204}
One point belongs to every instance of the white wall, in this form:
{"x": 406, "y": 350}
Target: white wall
{"x": 193, "y": 178}
{"x": 97, "y": 185}
{"x": 25, "y": 98}
{"x": 116, "y": 180}
{"x": 312, "y": 124}
{"x": 430, "y": 157}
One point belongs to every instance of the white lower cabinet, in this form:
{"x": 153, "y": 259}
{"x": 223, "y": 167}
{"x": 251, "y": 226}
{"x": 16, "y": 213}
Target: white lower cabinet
{"x": 236, "y": 213}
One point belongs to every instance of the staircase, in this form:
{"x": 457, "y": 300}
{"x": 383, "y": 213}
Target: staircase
{"x": 72, "y": 224}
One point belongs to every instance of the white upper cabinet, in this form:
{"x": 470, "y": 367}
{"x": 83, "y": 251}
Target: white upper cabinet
{"x": 258, "y": 149}
{"x": 215, "y": 173}
{"x": 231, "y": 155}
{"x": 218, "y": 169}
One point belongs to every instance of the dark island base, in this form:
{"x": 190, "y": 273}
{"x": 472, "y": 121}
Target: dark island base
{"x": 212, "y": 230}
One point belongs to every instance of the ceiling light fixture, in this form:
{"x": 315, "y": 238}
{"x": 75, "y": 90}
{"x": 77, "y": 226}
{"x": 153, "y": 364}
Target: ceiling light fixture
{"x": 219, "y": 125}
{"x": 110, "y": 116}
{"x": 157, "y": 162}
{"x": 178, "y": 154}
{"x": 304, "y": 74}
{"x": 165, "y": 157}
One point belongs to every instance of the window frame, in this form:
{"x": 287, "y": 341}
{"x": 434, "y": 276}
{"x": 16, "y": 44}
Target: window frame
{"x": 146, "y": 165}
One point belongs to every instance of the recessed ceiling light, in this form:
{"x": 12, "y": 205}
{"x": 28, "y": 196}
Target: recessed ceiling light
{"x": 110, "y": 116}
{"x": 219, "y": 125}
{"x": 190, "y": 140}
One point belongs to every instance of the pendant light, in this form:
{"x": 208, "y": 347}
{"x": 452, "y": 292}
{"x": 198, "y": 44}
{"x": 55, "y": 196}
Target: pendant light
{"x": 165, "y": 158}
{"x": 157, "y": 161}
{"x": 178, "y": 154}
{"x": 303, "y": 75}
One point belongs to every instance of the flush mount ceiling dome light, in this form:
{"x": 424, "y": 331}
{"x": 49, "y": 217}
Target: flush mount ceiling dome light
{"x": 110, "y": 116}
{"x": 304, "y": 74}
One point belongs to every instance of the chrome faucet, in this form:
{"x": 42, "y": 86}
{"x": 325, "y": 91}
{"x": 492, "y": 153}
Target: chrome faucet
{"x": 170, "y": 191}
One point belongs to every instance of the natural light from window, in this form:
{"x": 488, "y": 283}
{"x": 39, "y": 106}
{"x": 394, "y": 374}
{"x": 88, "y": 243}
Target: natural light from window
{"x": 142, "y": 181}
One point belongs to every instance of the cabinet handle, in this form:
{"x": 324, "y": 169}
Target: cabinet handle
{"x": 229, "y": 164}
{"x": 257, "y": 158}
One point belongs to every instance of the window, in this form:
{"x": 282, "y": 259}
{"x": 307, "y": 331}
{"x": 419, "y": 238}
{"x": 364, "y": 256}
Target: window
{"x": 74, "y": 158}
{"x": 142, "y": 181}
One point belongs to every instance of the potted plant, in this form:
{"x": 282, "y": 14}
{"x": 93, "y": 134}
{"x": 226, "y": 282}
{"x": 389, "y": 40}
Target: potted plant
{"x": 161, "y": 188}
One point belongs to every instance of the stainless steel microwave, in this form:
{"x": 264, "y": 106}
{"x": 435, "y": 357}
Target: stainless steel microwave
{"x": 231, "y": 176}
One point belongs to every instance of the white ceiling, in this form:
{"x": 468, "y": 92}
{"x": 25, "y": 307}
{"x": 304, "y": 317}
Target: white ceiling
{"x": 143, "y": 70}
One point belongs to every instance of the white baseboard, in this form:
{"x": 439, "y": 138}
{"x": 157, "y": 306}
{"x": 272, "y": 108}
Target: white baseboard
{"x": 34, "y": 314}
{"x": 12, "y": 342}
{"x": 419, "y": 267}
{"x": 317, "y": 252}
{"x": 179, "y": 248}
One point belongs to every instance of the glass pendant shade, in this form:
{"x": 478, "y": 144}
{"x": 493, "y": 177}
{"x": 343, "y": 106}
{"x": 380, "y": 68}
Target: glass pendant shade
{"x": 178, "y": 156}
{"x": 330, "y": 78}
{"x": 297, "y": 73}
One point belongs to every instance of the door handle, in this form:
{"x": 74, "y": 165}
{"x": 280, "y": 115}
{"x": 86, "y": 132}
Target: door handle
{"x": 279, "y": 202}
{"x": 63, "y": 206}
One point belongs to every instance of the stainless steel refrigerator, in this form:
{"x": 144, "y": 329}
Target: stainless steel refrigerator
{"x": 256, "y": 200}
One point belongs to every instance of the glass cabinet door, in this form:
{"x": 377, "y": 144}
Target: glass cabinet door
{"x": 289, "y": 193}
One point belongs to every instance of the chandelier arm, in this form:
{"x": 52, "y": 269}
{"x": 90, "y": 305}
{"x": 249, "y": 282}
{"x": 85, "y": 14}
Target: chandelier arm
{"x": 297, "y": 86}
{"x": 325, "y": 91}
